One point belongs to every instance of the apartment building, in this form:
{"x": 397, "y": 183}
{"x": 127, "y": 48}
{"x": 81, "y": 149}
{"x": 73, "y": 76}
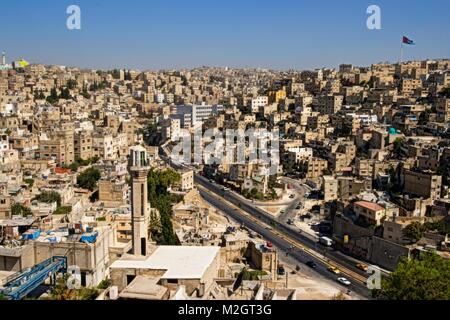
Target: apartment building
{"x": 258, "y": 103}
{"x": 83, "y": 145}
{"x": 371, "y": 212}
{"x": 329, "y": 105}
{"x": 443, "y": 111}
{"x": 313, "y": 168}
{"x": 426, "y": 185}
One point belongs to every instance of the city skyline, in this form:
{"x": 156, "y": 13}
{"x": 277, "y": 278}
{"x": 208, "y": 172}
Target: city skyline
{"x": 161, "y": 35}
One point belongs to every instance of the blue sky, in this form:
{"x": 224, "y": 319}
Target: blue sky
{"x": 279, "y": 34}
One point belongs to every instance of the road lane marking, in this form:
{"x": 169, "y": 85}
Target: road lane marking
{"x": 326, "y": 262}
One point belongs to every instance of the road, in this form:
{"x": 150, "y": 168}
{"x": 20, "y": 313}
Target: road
{"x": 290, "y": 211}
{"x": 305, "y": 247}
{"x": 287, "y": 246}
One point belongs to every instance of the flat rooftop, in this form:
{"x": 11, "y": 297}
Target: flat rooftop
{"x": 144, "y": 289}
{"x": 181, "y": 262}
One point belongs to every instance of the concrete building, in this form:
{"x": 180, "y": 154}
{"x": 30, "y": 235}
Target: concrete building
{"x": 371, "y": 212}
{"x": 443, "y": 111}
{"x": 187, "y": 180}
{"x": 112, "y": 192}
{"x": 259, "y": 102}
{"x": 170, "y": 267}
{"x": 190, "y": 115}
{"x": 426, "y": 185}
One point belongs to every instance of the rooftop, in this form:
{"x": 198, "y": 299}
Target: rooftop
{"x": 369, "y": 205}
{"x": 188, "y": 262}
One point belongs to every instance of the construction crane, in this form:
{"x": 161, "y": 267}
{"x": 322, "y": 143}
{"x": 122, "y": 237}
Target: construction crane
{"x": 22, "y": 283}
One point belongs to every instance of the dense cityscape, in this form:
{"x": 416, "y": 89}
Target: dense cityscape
{"x": 101, "y": 199}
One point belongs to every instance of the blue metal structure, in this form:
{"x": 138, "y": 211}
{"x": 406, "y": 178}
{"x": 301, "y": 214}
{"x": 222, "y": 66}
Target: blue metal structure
{"x": 22, "y": 283}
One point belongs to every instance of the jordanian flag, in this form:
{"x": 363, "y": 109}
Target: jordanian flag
{"x": 406, "y": 40}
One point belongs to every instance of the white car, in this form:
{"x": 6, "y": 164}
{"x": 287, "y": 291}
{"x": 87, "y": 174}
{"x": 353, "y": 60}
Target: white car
{"x": 344, "y": 281}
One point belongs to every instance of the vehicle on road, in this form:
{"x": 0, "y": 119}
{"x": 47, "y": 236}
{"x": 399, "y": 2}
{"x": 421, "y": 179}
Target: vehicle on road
{"x": 311, "y": 264}
{"x": 298, "y": 208}
{"x": 334, "y": 270}
{"x": 290, "y": 222}
{"x": 292, "y": 196}
{"x": 326, "y": 241}
{"x": 269, "y": 245}
{"x": 362, "y": 266}
{"x": 281, "y": 271}
{"x": 344, "y": 281}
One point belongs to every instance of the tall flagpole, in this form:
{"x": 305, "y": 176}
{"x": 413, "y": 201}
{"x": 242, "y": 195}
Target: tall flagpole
{"x": 401, "y": 53}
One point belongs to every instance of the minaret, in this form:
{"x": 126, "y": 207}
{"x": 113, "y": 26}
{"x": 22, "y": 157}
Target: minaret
{"x": 138, "y": 167}
{"x": 3, "y": 58}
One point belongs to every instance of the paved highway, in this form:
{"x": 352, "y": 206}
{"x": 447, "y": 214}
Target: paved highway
{"x": 301, "y": 247}
{"x": 282, "y": 240}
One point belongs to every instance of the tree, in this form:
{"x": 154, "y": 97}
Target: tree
{"x": 65, "y": 94}
{"x": 162, "y": 200}
{"x": 72, "y": 84}
{"x": 425, "y": 278}
{"x": 62, "y": 292}
{"x": 414, "y": 231}
{"x": 49, "y": 197}
{"x": 398, "y": 144}
{"x": 53, "y": 97}
{"x": 19, "y": 210}
{"x": 88, "y": 179}
{"x": 445, "y": 93}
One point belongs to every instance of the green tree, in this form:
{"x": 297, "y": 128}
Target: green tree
{"x": 162, "y": 200}
{"x": 398, "y": 144}
{"x": 414, "y": 231}
{"x": 29, "y": 182}
{"x": 72, "y": 84}
{"x": 88, "y": 179}
{"x": 53, "y": 97}
{"x": 65, "y": 94}
{"x": 19, "y": 210}
{"x": 62, "y": 292}
{"x": 49, "y": 197}
{"x": 445, "y": 93}
{"x": 425, "y": 278}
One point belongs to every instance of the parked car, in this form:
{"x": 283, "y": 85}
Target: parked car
{"x": 344, "y": 281}
{"x": 281, "y": 271}
{"x": 292, "y": 196}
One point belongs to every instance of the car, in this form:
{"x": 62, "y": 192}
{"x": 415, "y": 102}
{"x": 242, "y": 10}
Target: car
{"x": 283, "y": 211}
{"x": 291, "y": 196}
{"x": 269, "y": 245}
{"x": 290, "y": 222}
{"x": 281, "y": 271}
{"x": 298, "y": 208}
{"x": 362, "y": 266}
{"x": 334, "y": 270}
{"x": 311, "y": 264}
{"x": 344, "y": 281}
